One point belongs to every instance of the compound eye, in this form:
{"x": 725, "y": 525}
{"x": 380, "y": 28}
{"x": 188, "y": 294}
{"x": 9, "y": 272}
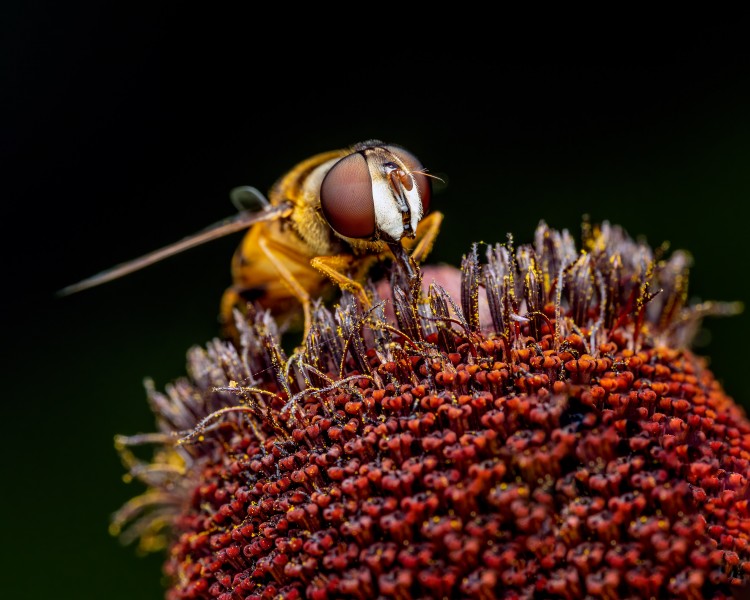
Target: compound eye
{"x": 423, "y": 182}
{"x": 346, "y": 198}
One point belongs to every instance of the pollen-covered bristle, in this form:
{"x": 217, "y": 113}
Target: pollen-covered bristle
{"x": 544, "y": 432}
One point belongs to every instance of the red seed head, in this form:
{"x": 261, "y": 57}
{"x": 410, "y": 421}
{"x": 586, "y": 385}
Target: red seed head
{"x": 548, "y": 433}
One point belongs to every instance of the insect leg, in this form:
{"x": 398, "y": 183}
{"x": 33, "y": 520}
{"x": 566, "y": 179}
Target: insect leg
{"x": 229, "y": 301}
{"x": 334, "y": 268}
{"x": 296, "y": 288}
{"x": 427, "y": 232}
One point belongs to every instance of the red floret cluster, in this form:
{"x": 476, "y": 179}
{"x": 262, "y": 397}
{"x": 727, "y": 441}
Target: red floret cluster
{"x": 568, "y": 446}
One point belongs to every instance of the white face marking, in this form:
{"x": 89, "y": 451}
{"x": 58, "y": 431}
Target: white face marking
{"x": 388, "y": 213}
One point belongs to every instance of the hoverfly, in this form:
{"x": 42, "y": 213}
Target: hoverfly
{"x": 327, "y": 220}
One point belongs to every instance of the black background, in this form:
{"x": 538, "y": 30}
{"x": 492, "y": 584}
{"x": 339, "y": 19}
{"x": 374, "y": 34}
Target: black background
{"x": 124, "y": 130}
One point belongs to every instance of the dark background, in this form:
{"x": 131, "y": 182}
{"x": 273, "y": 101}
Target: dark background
{"x": 124, "y": 131}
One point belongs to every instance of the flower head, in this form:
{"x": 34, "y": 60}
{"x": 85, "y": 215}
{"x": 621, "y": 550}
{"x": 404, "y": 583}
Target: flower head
{"x": 544, "y": 432}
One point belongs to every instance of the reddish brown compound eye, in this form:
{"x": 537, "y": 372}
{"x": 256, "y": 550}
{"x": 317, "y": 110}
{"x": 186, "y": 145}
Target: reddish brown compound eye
{"x": 346, "y": 198}
{"x": 423, "y": 182}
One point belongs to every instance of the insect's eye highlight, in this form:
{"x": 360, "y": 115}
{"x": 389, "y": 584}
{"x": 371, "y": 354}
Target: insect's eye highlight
{"x": 415, "y": 166}
{"x": 346, "y": 198}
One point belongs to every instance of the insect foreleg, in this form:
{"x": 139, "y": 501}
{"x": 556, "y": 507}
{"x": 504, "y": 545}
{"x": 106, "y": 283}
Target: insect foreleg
{"x": 334, "y": 267}
{"x": 427, "y": 232}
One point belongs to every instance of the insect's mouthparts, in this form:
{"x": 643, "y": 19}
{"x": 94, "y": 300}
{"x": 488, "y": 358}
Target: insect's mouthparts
{"x": 400, "y": 183}
{"x": 406, "y": 220}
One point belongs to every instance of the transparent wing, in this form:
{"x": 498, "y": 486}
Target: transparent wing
{"x": 238, "y": 222}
